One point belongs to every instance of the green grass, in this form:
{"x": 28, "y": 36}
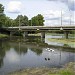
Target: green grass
{"x": 61, "y": 40}
{"x": 67, "y": 70}
{"x": 3, "y": 35}
{"x": 64, "y": 72}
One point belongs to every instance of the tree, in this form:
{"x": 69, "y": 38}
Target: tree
{"x": 40, "y": 19}
{"x": 25, "y": 21}
{"x": 8, "y": 22}
{"x": 1, "y": 8}
{"x": 34, "y": 21}
{"x": 37, "y": 20}
{"x": 2, "y": 16}
{"x": 29, "y": 23}
{"x": 22, "y": 20}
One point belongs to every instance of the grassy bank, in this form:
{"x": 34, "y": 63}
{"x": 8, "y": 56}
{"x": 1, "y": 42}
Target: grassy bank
{"x": 68, "y": 69}
{"x": 62, "y": 40}
{"x": 3, "y": 36}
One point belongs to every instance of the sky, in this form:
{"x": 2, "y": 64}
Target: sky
{"x": 52, "y": 10}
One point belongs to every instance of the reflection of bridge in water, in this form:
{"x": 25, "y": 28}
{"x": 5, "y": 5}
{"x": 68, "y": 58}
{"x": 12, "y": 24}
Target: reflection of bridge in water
{"x": 42, "y": 29}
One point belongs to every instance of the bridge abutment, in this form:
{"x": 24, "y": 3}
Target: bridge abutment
{"x": 11, "y": 33}
{"x": 42, "y": 35}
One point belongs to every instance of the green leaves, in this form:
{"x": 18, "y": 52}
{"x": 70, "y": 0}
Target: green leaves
{"x": 1, "y": 15}
{"x": 21, "y": 20}
{"x": 37, "y": 20}
{"x": 1, "y": 8}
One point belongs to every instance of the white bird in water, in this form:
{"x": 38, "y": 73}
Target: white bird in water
{"x": 48, "y": 49}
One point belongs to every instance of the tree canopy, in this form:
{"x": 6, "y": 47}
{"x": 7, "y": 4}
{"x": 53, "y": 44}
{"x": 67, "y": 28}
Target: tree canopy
{"x": 21, "y": 20}
{"x": 37, "y": 20}
{"x": 2, "y": 16}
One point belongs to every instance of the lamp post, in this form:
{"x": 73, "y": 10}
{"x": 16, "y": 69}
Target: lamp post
{"x": 61, "y": 18}
{"x": 19, "y": 17}
{"x": 61, "y": 21}
{"x": 70, "y": 17}
{"x": 31, "y": 21}
{"x": 19, "y": 22}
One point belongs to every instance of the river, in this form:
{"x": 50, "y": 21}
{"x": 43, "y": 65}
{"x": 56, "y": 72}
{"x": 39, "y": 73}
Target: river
{"x": 19, "y": 53}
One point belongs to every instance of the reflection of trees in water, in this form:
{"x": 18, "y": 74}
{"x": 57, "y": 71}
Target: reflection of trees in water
{"x": 1, "y": 62}
{"x": 66, "y": 45}
{"x": 2, "y": 54}
{"x": 19, "y": 48}
{"x": 37, "y": 51}
{"x": 67, "y": 49}
{"x": 33, "y": 39}
{"x": 4, "y": 46}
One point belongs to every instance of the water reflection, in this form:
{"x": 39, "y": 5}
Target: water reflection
{"x": 37, "y": 51}
{"x": 16, "y": 55}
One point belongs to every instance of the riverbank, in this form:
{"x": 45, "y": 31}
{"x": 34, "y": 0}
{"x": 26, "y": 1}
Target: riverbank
{"x": 68, "y": 69}
{"x": 3, "y": 36}
{"x": 66, "y": 42}
{"x": 62, "y": 40}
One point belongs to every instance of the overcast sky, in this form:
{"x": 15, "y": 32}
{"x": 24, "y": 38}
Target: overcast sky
{"x": 50, "y": 9}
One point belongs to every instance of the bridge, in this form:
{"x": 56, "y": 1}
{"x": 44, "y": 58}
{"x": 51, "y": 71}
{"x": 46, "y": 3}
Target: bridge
{"x": 42, "y": 29}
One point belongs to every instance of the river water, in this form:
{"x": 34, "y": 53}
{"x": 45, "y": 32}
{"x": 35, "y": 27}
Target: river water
{"x": 19, "y": 53}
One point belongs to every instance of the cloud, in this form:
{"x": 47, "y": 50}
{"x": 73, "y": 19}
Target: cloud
{"x": 53, "y": 15}
{"x": 54, "y": 18}
{"x": 12, "y": 56}
{"x": 14, "y": 6}
{"x": 70, "y": 3}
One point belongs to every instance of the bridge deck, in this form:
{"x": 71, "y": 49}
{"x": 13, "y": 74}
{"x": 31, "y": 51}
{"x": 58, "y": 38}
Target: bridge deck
{"x": 40, "y": 28}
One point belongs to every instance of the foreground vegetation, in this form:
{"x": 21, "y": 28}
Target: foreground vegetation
{"x": 3, "y": 36}
{"x": 68, "y": 69}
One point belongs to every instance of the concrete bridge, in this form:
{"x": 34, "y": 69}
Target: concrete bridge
{"x": 42, "y": 29}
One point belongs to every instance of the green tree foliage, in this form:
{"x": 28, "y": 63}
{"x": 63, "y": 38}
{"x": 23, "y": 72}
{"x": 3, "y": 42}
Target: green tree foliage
{"x": 2, "y": 16}
{"x": 1, "y": 8}
{"x": 8, "y": 22}
{"x": 22, "y": 20}
{"x": 29, "y": 23}
{"x": 40, "y": 19}
{"x": 37, "y": 20}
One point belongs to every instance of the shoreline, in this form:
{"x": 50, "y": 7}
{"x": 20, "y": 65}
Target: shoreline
{"x": 3, "y": 36}
{"x": 67, "y": 69}
{"x": 66, "y": 42}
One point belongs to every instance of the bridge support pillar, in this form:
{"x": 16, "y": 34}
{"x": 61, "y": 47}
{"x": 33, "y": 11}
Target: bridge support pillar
{"x": 11, "y": 33}
{"x": 25, "y": 34}
{"x": 42, "y": 35}
{"x": 66, "y": 34}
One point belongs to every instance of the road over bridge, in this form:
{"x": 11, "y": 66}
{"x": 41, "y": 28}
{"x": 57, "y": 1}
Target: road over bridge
{"x": 42, "y": 29}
